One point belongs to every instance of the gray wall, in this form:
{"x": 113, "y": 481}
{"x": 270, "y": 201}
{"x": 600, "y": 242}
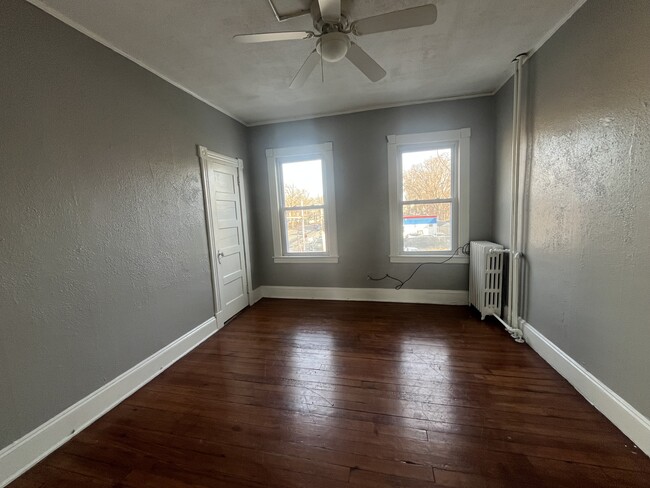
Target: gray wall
{"x": 588, "y": 220}
{"x": 503, "y": 163}
{"x": 361, "y": 180}
{"x": 103, "y": 251}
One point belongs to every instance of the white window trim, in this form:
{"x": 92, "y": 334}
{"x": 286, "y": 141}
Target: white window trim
{"x": 272, "y": 156}
{"x": 459, "y": 137}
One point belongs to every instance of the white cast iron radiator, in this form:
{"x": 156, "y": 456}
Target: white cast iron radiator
{"x": 485, "y": 277}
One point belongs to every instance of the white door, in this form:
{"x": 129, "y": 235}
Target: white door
{"x": 228, "y": 236}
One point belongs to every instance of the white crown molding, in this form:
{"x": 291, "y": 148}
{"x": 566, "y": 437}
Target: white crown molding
{"x": 24, "y": 453}
{"x": 370, "y": 108}
{"x": 555, "y": 28}
{"x": 87, "y": 32}
{"x": 623, "y": 415}
{"x": 438, "y": 297}
{"x": 543, "y": 40}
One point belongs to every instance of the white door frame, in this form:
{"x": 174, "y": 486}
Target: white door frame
{"x": 204, "y": 154}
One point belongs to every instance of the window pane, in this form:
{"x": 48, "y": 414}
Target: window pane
{"x": 305, "y": 230}
{"x": 303, "y": 183}
{"x": 426, "y": 175}
{"x": 427, "y": 227}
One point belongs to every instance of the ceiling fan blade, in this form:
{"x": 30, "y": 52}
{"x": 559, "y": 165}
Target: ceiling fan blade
{"x": 330, "y": 10}
{"x": 402, "y": 19}
{"x": 273, "y": 36}
{"x": 365, "y": 63}
{"x": 307, "y": 67}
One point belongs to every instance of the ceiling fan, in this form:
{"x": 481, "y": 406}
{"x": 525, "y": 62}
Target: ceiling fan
{"x": 333, "y": 31}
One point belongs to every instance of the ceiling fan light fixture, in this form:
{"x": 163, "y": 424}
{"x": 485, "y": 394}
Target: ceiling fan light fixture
{"x": 333, "y": 46}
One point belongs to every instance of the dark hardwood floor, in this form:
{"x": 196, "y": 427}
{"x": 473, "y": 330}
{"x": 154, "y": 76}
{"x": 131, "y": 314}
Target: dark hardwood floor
{"x": 337, "y": 394}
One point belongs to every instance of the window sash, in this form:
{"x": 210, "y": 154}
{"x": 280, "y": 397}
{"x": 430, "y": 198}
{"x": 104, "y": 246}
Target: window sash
{"x": 284, "y": 208}
{"x": 403, "y": 252}
{"x": 285, "y": 235}
{"x": 310, "y": 207}
{"x": 426, "y": 202}
{"x": 453, "y": 200}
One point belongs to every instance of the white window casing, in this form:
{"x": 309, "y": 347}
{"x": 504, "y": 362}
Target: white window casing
{"x": 274, "y": 158}
{"x": 458, "y": 139}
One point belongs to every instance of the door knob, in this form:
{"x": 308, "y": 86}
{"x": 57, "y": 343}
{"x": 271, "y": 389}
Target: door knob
{"x": 219, "y": 256}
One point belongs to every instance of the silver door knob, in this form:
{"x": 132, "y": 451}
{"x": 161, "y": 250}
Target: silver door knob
{"x": 219, "y": 256}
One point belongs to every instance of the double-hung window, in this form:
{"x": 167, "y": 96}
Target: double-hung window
{"x": 301, "y": 186}
{"x": 429, "y": 196}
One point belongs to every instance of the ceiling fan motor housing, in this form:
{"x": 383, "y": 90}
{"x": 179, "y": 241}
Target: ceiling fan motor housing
{"x": 321, "y": 25}
{"x": 333, "y": 46}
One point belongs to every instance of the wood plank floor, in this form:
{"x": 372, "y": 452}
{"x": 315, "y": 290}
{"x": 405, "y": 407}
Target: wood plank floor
{"x": 351, "y": 394}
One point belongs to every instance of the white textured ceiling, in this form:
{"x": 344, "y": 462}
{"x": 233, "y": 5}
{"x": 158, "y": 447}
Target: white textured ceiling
{"x": 189, "y": 42}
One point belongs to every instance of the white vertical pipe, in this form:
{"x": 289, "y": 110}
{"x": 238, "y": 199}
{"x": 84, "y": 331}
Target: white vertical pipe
{"x": 515, "y": 256}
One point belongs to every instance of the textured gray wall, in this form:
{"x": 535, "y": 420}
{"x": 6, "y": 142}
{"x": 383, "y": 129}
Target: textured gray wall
{"x": 588, "y": 221}
{"x": 103, "y": 251}
{"x": 361, "y": 180}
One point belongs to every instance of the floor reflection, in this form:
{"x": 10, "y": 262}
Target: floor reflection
{"x": 429, "y": 366}
{"x": 310, "y": 369}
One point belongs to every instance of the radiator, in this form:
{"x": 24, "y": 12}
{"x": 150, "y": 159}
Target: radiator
{"x": 485, "y": 277}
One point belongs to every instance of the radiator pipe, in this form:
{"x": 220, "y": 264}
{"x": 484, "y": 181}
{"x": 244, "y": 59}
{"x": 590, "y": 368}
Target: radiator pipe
{"x": 514, "y": 271}
{"x": 515, "y": 333}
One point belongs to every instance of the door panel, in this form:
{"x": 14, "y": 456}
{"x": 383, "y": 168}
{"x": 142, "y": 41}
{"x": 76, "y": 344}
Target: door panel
{"x": 232, "y": 293}
{"x": 230, "y": 265}
{"x": 226, "y": 213}
{"x": 227, "y": 238}
{"x": 224, "y": 183}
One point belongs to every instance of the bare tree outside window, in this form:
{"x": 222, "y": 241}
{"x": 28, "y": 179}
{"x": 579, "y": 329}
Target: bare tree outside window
{"x": 427, "y": 200}
{"x": 303, "y": 207}
{"x": 299, "y": 197}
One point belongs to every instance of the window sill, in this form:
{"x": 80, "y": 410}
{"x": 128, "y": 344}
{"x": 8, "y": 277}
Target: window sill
{"x": 462, "y": 259}
{"x": 306, "y": 259}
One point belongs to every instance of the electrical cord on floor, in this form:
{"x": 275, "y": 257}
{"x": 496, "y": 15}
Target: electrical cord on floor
{"x": 464, "y": 249}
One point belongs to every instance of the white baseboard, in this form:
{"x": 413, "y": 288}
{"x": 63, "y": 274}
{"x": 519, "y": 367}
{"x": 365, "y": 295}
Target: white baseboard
{"x": 623, "y": 415}
{"x": 256, "y": 295}
{"x": 439, "y": 297}
{"x": 21, "y": 455}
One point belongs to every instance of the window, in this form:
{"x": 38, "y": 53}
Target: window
{"x": 301, "y": 184}
{"x": 429, "y": 197}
